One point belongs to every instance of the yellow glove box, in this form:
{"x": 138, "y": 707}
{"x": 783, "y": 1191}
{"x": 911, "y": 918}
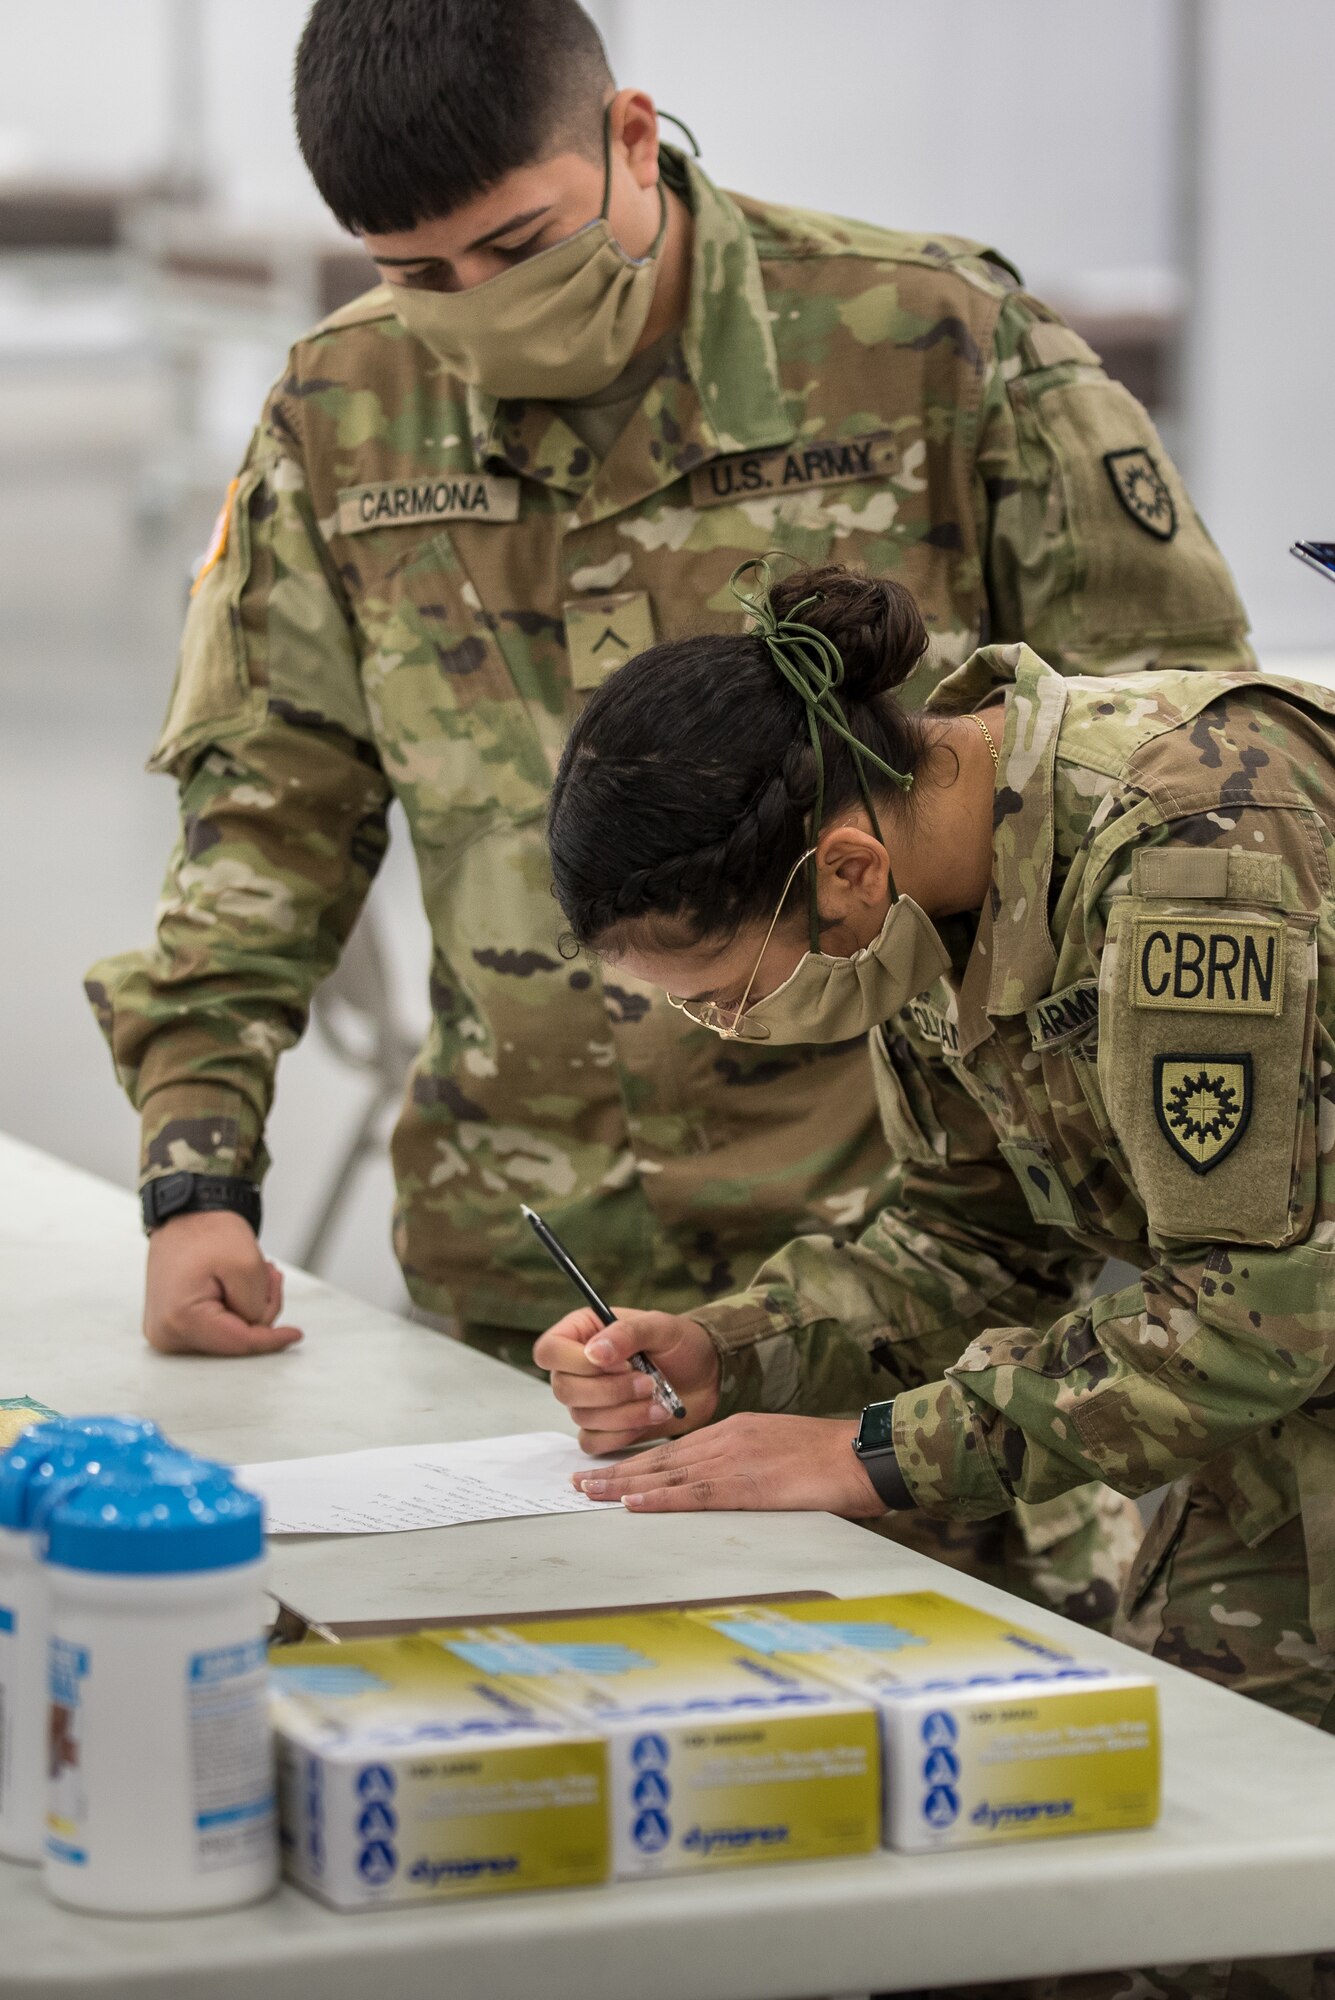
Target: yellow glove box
{"x": 406, "y": 1774}
{"x": 717, "y": 1754}
{"x": 989, "y": 1733}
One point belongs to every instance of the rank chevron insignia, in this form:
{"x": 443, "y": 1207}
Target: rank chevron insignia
{"x": 1203, "y": 1105}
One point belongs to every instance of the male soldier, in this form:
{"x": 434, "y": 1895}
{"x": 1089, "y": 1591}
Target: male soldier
{"x": 591, "y": 384}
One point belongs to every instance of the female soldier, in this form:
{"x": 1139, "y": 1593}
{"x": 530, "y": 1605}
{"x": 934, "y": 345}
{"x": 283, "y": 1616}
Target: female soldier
{"x": 1090, "y": 925}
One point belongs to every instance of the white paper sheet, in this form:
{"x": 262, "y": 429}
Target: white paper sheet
{"x": 396, "y": 1487}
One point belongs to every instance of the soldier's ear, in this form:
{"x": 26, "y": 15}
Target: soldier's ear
{"x": 853, "y": 871}
{"x": 634, "y": 126}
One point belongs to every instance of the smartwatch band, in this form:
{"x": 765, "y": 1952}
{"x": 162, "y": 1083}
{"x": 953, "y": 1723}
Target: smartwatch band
{"x": 882, "y": 1468}
{"x": 189, "y": 1194}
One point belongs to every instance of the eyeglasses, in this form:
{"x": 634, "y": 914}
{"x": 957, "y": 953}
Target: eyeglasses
{"x": 724, "y": 1018}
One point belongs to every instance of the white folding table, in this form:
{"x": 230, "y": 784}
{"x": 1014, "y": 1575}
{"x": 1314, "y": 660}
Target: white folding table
{"x": 1241, "y": 1864}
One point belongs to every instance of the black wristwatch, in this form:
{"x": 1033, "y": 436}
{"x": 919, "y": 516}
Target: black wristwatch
{"x": 875, "y": 1447}
{"x": 186, "y": 1194}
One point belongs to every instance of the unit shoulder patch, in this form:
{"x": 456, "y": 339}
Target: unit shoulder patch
{"x": 445, "y": 496}
{"x": 1142, "y": 490}
{"x": 1203, "y": 1105}
{"x": 791, "y": 468}
{"x": 217, "y": 547}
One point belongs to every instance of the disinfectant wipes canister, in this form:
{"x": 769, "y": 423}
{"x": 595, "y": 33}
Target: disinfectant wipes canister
{"x": 46, "y": 1460}
{"x": 160, "y": 1786}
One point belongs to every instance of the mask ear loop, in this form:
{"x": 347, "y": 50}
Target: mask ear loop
{"x": 681, "y": 126}
{"x": 813, "y": 667}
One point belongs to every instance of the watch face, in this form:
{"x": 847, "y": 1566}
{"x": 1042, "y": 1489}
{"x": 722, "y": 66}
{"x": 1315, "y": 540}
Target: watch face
{"x": 876, "y": 1431}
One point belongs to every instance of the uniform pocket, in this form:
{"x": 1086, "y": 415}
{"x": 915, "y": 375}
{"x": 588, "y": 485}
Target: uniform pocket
{"x": 1134, "y": 1625}
{"x": 904, "y": 1100}
{"x": 1206, "y": 1060}
{"x": 456, "y": 735}
{"x": 212, "y": 696}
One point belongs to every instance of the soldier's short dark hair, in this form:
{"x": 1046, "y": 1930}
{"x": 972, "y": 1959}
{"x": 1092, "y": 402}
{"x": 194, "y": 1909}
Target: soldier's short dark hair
{"x": 406, "y": 109}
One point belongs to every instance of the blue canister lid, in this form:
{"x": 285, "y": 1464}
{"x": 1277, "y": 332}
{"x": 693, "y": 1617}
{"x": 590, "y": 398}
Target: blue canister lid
{"x": 170, "y": 1514}
{"x": 48, "y": 1455}
{"x": 153, "y": 1452}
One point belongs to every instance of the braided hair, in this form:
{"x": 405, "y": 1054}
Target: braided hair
{"x": 686, "y": 789}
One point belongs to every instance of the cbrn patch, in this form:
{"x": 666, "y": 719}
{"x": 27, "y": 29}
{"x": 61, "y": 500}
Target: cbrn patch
{"x": 1203, "y": 1105}
{"x": 1142, "y": 490}
{"x": 1208, "y": 965}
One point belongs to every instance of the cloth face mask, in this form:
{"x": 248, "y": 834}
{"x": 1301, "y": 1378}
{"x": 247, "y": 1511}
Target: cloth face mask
{"x": 827, "y": 999}
{"x": 561, "y": 325}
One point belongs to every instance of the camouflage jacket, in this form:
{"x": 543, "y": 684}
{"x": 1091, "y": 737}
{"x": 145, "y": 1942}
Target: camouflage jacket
{"x": 410, "y": 592}
{"x": 1134, "y": 1058}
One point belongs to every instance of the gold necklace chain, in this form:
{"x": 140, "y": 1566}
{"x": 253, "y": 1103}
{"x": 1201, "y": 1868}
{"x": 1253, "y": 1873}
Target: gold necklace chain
{"x": 996, "y": 761}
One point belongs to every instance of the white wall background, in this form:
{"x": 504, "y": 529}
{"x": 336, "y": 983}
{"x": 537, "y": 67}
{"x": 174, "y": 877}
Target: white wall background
{"x": 1262, "y": 390}
{"x": 861, "y": 106}
{"x": 986, "y": 120}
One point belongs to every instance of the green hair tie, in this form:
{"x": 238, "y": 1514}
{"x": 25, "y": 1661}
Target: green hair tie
{"x": 813, "y": 667}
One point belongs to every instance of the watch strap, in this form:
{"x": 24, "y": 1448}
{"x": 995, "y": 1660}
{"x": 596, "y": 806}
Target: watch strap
{"x": 882, "y": 1468}
{"x": 168, "y": 1195}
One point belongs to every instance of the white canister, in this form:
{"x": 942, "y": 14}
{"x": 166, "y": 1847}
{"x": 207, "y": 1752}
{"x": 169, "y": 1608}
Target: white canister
{"x": 41, "y": 1463}
{"x": 160, "y": 1794}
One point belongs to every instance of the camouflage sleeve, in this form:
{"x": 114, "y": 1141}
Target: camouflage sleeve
{"x": 1216, "y": 1084}
{"x": 826, "y": 1327}
{"x": 1137, "y": 1389}
{"x": 1094, "y": 554}
{"x": 283, "y": 807}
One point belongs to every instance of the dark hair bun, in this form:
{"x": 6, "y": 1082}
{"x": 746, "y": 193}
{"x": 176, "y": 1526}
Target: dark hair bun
{"x": 874, "y": 621}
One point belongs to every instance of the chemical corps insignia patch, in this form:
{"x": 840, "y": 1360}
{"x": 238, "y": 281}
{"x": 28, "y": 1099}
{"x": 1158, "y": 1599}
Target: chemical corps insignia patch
{"x": 1203, "y": 1105}
{"x": 1143, "y": 491}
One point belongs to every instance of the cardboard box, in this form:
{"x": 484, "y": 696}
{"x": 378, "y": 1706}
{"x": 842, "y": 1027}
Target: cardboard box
{"x": 717, "y": 1756}
{"x": 407, "y": 1775}
{"x": 989, "y": 1733}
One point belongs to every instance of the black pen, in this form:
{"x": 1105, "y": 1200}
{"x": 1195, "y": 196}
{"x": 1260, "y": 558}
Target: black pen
{"x": 664, "y": 1393}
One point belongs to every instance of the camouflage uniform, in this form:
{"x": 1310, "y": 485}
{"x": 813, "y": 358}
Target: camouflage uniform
{"x": 1133, "y": 1058}
{"x": 414, "y": 588}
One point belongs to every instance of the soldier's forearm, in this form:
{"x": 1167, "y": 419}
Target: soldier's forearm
{"x": 201, "y": 1128}
{"x": 822, "y": 1348}
{"x": 1142, "y": 1387}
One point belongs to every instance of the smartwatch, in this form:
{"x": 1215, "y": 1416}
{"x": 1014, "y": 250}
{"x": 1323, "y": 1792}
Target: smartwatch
{"x": 188, "y": 1194}
{"x": 875, "y": 1448}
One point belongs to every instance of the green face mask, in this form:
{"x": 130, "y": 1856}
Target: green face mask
{"x": 561, "y": 325}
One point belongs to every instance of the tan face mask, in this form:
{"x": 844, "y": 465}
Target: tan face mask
{"x": 832, "y": 999}
{"x": 561, "y": 325}
{"x": 826, "y": 999}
